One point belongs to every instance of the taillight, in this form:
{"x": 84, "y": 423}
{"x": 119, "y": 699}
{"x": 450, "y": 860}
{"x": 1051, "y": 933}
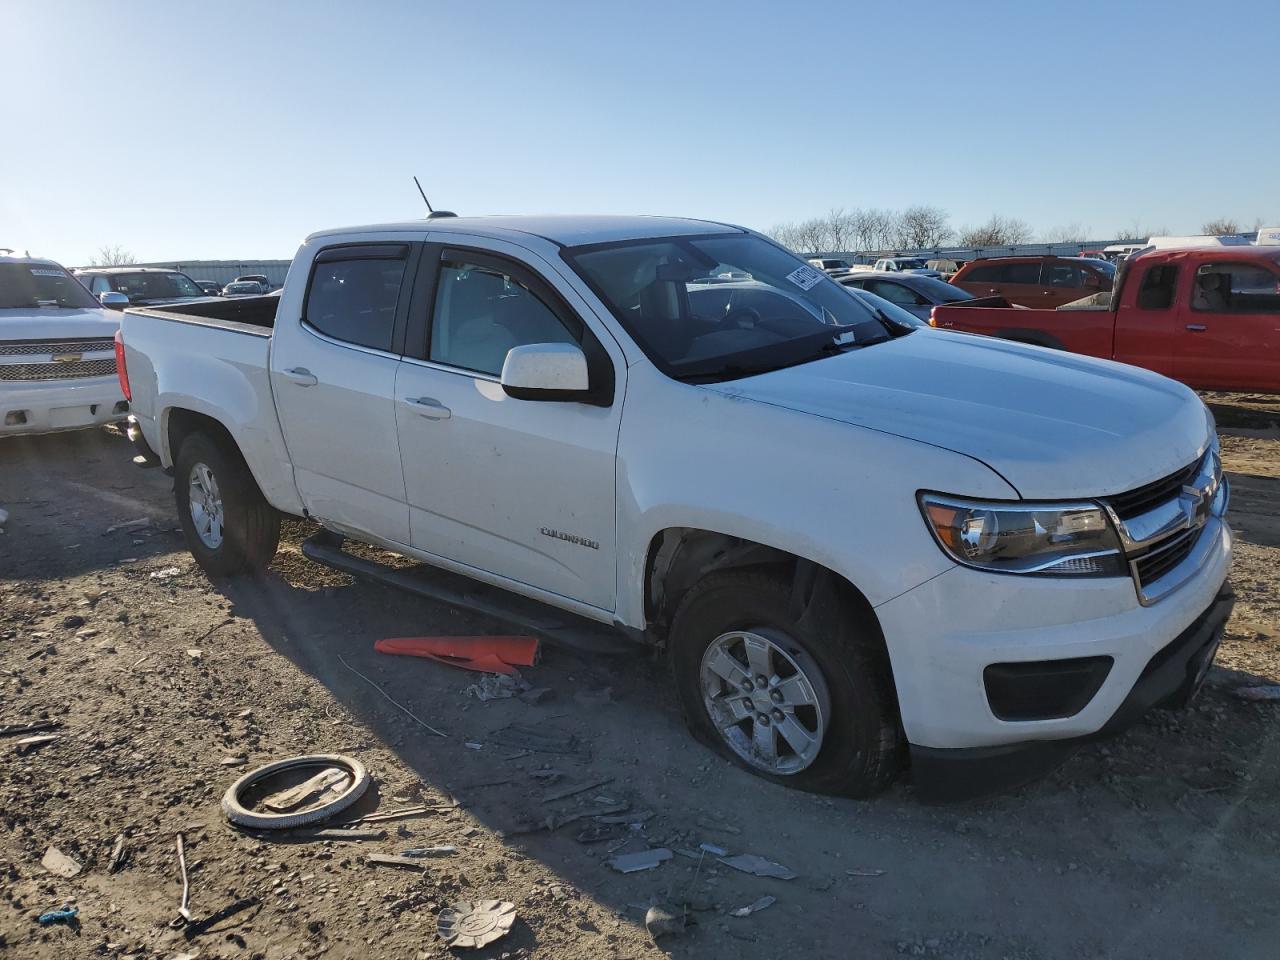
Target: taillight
{"x": 933, "y": 321}
{"x": 122, "y": 372}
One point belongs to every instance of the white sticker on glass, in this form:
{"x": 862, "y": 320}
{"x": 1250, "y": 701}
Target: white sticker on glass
{"x": 804, "y": 277}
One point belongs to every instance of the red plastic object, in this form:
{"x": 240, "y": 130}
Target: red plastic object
{"x": 482, "y": 654}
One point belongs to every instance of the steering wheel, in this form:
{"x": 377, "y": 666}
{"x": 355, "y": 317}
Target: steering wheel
{"x": 746, "y": 318}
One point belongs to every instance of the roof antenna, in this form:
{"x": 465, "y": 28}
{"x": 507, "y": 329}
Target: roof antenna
{"x": 431, "y": 213}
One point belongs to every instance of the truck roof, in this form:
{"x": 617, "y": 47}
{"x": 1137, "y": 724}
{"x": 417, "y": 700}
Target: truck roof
{"x": 567, "y": 231}
{"x": 1244, "y": 251}
{"x": 19, "y": 256}
{"x": 80, "y": 270}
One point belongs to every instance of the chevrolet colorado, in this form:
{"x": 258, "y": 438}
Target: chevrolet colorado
{"x": 860, "y": 543}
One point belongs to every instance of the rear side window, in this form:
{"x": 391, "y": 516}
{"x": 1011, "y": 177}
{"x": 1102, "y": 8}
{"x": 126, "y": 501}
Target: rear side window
{"x": 1020, "y": 273}
{"x": 354, "y": 293}
{"x": 1063, "y": 275}
{"x": 1236, "y": 288}
{"x": 985, "y": 274}
{"x": 1158, "y": 285}
{"x": 895, "y": 293}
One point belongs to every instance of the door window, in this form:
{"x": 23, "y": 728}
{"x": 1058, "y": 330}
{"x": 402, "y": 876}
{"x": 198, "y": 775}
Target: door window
{"x": 984, "y": 274}
{"x": 1236, "y": 288}
{"x": 482, "y": 311}
{"x": 895, "y": 293}
{"x": 1158, "y": 285}
{"x": 354, "y": 294}
{"x": 1020, "y": 273}
{"x": 1062, "y": 275}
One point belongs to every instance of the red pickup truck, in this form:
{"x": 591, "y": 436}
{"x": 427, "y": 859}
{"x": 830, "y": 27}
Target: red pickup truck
{"x": 1208, "y": 316}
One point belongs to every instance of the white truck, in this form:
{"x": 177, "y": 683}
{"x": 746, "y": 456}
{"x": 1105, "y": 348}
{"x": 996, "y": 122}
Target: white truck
{"x": 860, "y": 543}
{"x": 57, "y": 354}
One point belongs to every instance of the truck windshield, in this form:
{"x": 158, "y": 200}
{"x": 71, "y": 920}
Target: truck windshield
{"x": 24, "y": 285}
{"x": 725, "y": 306}
{"x": 155, "y": 286}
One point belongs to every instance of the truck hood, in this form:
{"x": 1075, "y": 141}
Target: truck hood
{"x": 1053, "y": 424}
{"x": 50, "y": 323}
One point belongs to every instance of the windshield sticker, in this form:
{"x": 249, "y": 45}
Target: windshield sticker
{"x": 804, "y": 277}
{"x": 45, "y": 272}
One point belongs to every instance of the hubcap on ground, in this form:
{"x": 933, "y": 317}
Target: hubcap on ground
{"x": 767, "y": 699}
{"x": 205, "y": 503}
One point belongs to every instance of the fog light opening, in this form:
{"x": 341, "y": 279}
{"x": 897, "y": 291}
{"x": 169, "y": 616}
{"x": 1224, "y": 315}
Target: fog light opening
{"x": 15, "y": 418}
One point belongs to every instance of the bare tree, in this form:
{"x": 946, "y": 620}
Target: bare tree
{"x": 1068, "y": 233}
{"x": 997, "y": 232}
{"x": 923, "y": 226}
{"x": 112, "y": 255}
{"x": 1136, "y": 233}
{"x": 1223, "y": 226}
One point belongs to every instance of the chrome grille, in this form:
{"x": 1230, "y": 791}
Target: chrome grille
{"x": 70, "y": 370}
{"x": 1154, "y": 564}
{"x": 44, "y": 348}
{"x": 1139, "y": 501}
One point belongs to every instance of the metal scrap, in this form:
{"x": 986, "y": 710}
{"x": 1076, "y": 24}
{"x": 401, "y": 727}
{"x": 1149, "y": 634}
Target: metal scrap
{"x": 750, "y": 863}
{"x": 761, "y": 904}
{"x": 326, "y": 785}
{"x": 444, "y": 850}
{"x": 572, "y": 789}
{"x": 390, "y": 860}
{"x": 184, "y": 908}
{"x": 59, "y": 864}
{"x": 644, "y": 860}
{"x": 119, "y": 855}
{"x": 330, "y": 833}
{"x": 467, "y": 925}
{"x": 27, "y": 744}
{"x": 35, "y": 726}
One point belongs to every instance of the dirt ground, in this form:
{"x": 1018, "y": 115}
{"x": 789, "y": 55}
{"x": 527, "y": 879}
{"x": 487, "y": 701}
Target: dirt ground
{"x": 1162, "y": 843}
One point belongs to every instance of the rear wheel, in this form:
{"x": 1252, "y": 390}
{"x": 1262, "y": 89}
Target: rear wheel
{"x": 802, "y": 697}
{"x": 228, "y": 524}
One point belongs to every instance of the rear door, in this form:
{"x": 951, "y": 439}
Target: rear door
{"x": 1063, "y": 281}
{"x": 520, "y": 489}
{"x": 333, "y": 372}
{"x": 1148, "y": 329}
{"x": 1020, "y": 283}
{"x": 1230, "y": 331}
{"x": 983, "y": 280}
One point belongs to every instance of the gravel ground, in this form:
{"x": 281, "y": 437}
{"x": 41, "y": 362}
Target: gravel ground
{"x": 1161, "y": 843}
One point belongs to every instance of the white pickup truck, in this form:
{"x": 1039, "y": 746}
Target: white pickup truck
{"x": 860, "y": 543}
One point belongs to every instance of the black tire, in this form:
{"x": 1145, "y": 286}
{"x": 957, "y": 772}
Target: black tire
{"x": 862, "y": 744}
{"x": 251, "y": 528}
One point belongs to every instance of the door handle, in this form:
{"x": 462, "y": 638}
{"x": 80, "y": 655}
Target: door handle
{"x": 429, "y": 408}
{"x": 1196, "y": 327}
{"x": 301, "y": 376}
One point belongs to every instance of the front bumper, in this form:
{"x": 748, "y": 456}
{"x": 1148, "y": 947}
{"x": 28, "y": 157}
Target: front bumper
{"x": 55, "y": 405}
{"x": 945, "y": 633}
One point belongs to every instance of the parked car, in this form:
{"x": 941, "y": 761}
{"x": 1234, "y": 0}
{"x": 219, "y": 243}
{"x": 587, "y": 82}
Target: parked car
{"x": 57, "y": 351}
{"x": 905, "y": 265}
{"x": 143, "y": 286}
{"x": 211, "y": 287}
{"x": 1209, "y": 317}
{"x": 831, "y": 265}
{"x": 853, "y": 539}
{"x": 888, "y": 310}
{"x": 913, "y": 292}
{"x": 1035, "y": 281}
{"x": 255, "y": 278}
{"x": 243, "y": 288}
{"x": 945, "y": 266}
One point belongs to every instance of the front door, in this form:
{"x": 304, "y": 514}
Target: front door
{"x": 520, "y": 489}
{"x": 333, "y": 373}
{"x": 1230, "y": 336}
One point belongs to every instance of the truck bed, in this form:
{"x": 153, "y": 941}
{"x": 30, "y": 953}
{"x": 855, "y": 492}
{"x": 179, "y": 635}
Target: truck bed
{"x": 1080, "y": 327}
{"x": 257, "y": 313}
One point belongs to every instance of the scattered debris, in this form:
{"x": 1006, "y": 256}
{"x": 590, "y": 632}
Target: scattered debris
{"x": 405, "y": 812}
{"x": 864, "y": 873}
{"x": 166, "y": 573}
{"x": 472, "y": 745}
{"x": 336, "y": 833}
{"x": 469, "y": 925}
{"x": 386, "y": 696}
{"x": 13, "y": 729}
{"x": 538, "y": 695}
{"x": 597, "y": 834}
{"x": 496, "y": 686}
{"x": 65, "y": 915}
{"x": 195, "y": 653}
{"x": 130, "y": 525}
{"x": 27, "y": 744}
{"x": 336, "y": 784}
{"x": 391, "y": 860}
{"x": 712, "y": 849}
{"x": 572, "y": 789}
{"x": 484, "y": 654}
{"x": 59, "y": 864}
{"x": 530, "y": 737}
{"x": 716, "y": 826}
{"x": 325, "y": 786}
{"x": 238, "y": 761}
{"x": 88, "y": 633}
{"x": 197, "y": 927}
{"x": 661, "y": 921}
{"x": 445, "y": 850}
{"x": 640, "y": 816}
{"x": 119, "y": 855}
{"x": 644, "y": 860}
{"x": 1259, "y": 694}
{"x": 749, "y": 909}
{"x": 750, "y": 863}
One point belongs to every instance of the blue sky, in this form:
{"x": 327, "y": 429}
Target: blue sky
{"x": 231, "y": 130}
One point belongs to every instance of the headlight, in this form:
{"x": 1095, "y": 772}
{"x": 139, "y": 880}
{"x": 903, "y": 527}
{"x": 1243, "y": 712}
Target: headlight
{"x": 1057, "y": 539}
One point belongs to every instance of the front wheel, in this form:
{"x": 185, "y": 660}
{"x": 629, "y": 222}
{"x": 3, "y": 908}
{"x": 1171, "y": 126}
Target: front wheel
{"x": 228, "y": 524}
{"x": 803, "y": 698}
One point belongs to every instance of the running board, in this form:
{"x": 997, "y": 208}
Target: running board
{"x": 557, "y": 627}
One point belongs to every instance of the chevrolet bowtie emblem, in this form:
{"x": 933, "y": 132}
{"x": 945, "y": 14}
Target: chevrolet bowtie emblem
{"x": 67, "y": 357}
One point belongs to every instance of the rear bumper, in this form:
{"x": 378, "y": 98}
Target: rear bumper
{"x": 52, "y": 406}
{"x": 1171, "y": 678}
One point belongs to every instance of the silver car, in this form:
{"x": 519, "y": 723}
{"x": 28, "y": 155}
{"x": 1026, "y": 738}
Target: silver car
{"x": 913, "y": 292}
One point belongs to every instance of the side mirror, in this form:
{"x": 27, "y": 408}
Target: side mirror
{"x": 113, "y": 300}
{"x": 546, "y": 371}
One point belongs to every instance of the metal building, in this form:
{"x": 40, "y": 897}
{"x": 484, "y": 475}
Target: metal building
{"x": 224, "y": 271}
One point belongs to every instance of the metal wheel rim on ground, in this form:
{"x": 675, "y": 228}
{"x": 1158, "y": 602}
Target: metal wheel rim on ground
{"x": 205, "y": 504}
{"x": 766, "y": 698}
